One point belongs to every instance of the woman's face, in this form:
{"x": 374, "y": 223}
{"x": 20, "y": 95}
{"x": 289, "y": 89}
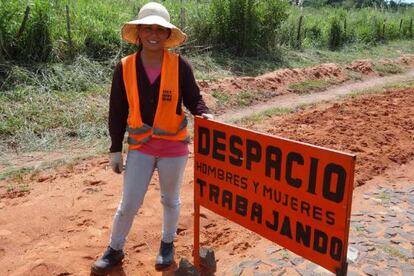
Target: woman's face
{"x": 153, "y": 37}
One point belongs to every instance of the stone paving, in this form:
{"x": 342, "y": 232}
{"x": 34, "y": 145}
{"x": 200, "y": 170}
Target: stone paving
{"x": 381, "y": 241}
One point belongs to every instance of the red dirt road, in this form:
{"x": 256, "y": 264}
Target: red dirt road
{"x": 63, "y": 224}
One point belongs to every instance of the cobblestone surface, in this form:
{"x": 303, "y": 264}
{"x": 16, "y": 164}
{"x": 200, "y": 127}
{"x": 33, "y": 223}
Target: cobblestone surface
{"x": 381, "y": 241}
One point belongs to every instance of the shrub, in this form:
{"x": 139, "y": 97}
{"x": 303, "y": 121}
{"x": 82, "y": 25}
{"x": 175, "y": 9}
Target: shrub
{"x": 245, "y": 27}
{"x": 335, "y": 34}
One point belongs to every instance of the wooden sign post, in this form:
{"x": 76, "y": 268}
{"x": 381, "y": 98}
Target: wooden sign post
{"x": 294, "y": 194}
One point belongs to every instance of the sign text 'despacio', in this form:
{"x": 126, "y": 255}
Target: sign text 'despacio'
{"x": 292, "y": 193}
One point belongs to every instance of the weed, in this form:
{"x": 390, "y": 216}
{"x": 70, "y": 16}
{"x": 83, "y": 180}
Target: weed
{"x": 388, "y": 68}
{"x": 360, "y": 229}
{"x": 10, "y": 188}
{"x": 379, "y": 89}
{"x": 392, "y": 251}
{"x": 353, "y": 75}
{"x": 221, "y": 97}
{"x": 257, "y": 117}
{"x": 384, "y": 197}
{"x": 15, "y": 175}
{"x": 309, "y": 86}
{"x": 284, "y": 254}
{"x": 24, "y": 188}
{"x": 335, "y": 34}
{"x": 244, "y": 98}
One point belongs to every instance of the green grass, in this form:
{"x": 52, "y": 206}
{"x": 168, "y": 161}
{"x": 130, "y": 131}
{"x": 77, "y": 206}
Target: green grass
{"x": 379, "y": 89}
{"x": 16, "y": 176}
{"x": 260, "y": 116}
{"x": 360, "y": 230}
{"x": 44, "y": 121}
{"x": 314, "y": 56}
{"x": 284, "y": 254}
{"x": 308, "y": 86}
{"x": 221, "y": 97}
{"x": 245, "y": 98}
{"x": 388, "y": 68}
{"x": 384, "y": 197}
{"x": 394, "y": 252}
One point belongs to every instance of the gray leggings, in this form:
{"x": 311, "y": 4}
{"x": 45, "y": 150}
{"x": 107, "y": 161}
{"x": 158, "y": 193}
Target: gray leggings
{"x": 139, "y": 170}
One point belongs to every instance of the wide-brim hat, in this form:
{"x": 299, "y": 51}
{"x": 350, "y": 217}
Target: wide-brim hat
{"x": 150, "y": 14}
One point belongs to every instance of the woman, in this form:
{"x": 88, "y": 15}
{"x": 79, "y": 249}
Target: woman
{"x": 148, "y": 90}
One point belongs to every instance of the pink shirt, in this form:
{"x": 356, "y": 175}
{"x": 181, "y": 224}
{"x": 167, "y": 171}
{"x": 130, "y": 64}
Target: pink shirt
{"x": 160, "y": 147}
{"x": 152, "y": 73}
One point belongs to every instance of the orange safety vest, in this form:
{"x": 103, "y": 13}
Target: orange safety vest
{"x": 167, "y": 124}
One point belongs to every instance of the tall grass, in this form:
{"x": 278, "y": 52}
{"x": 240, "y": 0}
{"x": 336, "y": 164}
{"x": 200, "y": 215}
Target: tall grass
{"x": 367, "y": 25}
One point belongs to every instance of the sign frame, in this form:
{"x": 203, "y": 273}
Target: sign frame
{"x": 331, "y": 193}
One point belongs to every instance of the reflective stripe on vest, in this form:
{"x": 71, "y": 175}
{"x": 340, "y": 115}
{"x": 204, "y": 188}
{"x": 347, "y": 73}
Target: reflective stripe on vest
{"x": 167, "y": 124}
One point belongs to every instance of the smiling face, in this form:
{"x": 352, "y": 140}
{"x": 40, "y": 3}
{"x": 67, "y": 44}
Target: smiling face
{"x": 153, "y": 37}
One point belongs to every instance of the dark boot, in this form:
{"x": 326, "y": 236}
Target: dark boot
{"x": 166, "y": 255}
{"x": 110, "y": 258}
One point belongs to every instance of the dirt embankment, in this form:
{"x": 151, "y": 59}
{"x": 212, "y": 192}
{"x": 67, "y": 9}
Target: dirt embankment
{"x": 222, "y": 94}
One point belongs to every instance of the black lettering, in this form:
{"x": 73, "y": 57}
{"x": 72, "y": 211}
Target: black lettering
{"x": 338, "y": 194}
{"x": 278, "y": 196}
{"x": 305, "y": 207}
{"x": 320, "y": 242}
{"x": 303, "y": 234}
{"x": 202, "y": 184}
{"x": 214, "y": 193}
{"x": 253, "y": 153}
{"x": 330, "y": 217}
{"x": 237, "y": 159}
{"x": 203, "y": 140}
{"x": 211, "y": 171}
{"x": 243, "y": 182}
{"x": 273, "y": 162}
{"x": 227, "y": 199}
{"x": 220, "y": 174}
{"x": 312, "y": 175}
{"x": 199, "y": 166}
{"x": 273, "y": 226}
{"x": 218, "y": 146}
{"x": 241, "y": 205}
{"x": 286, "y": 229}
{"x": 336, "y": 249}
{"x": 294, "y": 203}
{"x": 229, "y": 177}
{"x": 267, "y": 191}
{"x": 317, "y": 213}
{"x": 285, "y": 202}
{"x": 256, "y": 213}
{"x": 293, "y": 157}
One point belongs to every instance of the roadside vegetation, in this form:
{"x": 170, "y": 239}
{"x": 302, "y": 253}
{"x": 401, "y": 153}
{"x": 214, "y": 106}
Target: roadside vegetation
{"x": 57, "y": 57}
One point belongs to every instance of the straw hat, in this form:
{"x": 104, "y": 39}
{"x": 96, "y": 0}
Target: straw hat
{"x": 153, "y": 13}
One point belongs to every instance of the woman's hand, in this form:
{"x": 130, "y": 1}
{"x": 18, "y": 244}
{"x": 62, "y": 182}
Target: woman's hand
{"x": 207, "y": 116}
{"x": 116, "y": 162}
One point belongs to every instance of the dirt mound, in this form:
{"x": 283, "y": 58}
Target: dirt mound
{"x": 378, "y": 128}
{"x": 276, "y": 81}
{"x": 363, "y": 66}
{"x": 407, "y": 60}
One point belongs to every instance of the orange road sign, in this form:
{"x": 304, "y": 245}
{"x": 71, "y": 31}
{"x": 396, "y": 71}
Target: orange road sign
{"x": 295, "y": 194}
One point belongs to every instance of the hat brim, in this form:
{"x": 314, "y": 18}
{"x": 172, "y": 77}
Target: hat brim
{"x": 129, "y": 31}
